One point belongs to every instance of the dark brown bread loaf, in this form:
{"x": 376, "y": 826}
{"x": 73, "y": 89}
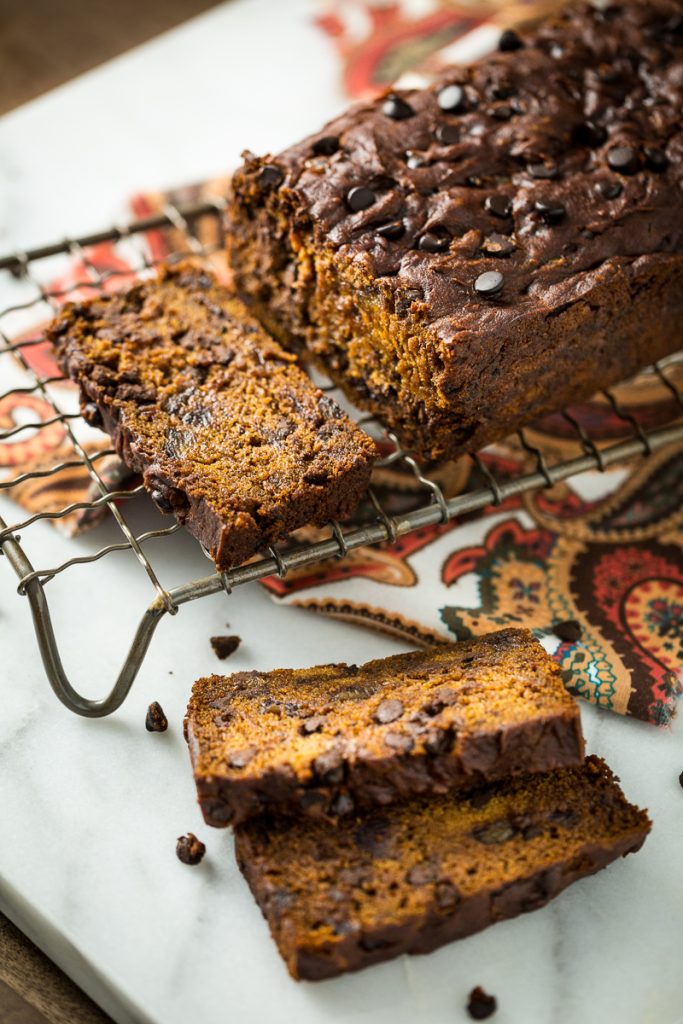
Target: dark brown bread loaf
{"x": 415, "y": 876}
{"x": 326, "y": 740}
{"x": 228, "y": 433}
{"x": 468, "y": 257}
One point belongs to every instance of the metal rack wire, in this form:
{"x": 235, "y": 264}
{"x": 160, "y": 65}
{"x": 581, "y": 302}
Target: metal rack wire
{"x": 381, "y": 527}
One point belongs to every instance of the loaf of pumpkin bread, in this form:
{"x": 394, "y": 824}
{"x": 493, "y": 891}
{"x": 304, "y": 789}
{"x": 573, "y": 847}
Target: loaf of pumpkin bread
{"x": 465, "y": 258}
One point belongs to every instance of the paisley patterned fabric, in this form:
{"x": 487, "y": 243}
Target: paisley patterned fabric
{"x": 604, "y": 549}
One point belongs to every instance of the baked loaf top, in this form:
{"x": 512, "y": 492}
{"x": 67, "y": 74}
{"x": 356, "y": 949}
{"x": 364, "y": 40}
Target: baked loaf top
{"x": 325, "y": 740}
{"x": 532, "y": 167}
{"x": 229, "y": 433}
{"x": 416, "y": 875}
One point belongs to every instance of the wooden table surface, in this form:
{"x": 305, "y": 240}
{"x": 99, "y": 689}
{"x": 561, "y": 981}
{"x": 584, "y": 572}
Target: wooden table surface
{"x": 44, "y": 43}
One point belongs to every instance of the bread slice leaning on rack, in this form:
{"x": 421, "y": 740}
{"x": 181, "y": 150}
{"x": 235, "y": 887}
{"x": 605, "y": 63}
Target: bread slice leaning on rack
{"x": 229, "y": 434}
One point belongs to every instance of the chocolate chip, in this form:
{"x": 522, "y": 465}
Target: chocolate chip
{"x": 342, "y": 804}
{"x": 189, "y": 849}
{"x": 551, "y": 212}
{"x": 92, "y": 415}
{"x": 326, "y": 146}
{"x": 489, "y": 283}
{"x": 329, "y": 767}
{"x": 509, "y": 41}
{"x": 241, "y": 758}
{"x": 396, "y": 108}
{"x": 544, "y": 171}
{"x": 432, "y": 241}
{"x": 497, "y": 245}
{"x": 656, "y": 159}
{"x": 480, "y": 1004}
{"x": 447, "y": 897}
{"x": 224, "y": 646}
{"x": 498, "y": 205}
{"x": 313, "y": 724}
{"x": 480, "y": 798}
{"x": 360, "y": 198}
{"x": 680, "y": 779}
{"x": 270, "y": 176}
{"x": 589, "y": 134}
{"x": 155, "y": 720}
{"x": 394, "y": 230}
{"x": 451, "y": 98}
{"x": 422, "y": 874}
{"x": 624, "y": 159}
{"x": 388, "y": 711}
{"x": 494, "y": 833}
{"x": 501, "y": 113}
{"x": 399, "y": 741}
{"x": 569, "y": 630}
{"x": 610, "y": 189}
{"x": 161, "y": 501}
{"x": 531, "y": 831}
{"x": 448, "y": 134}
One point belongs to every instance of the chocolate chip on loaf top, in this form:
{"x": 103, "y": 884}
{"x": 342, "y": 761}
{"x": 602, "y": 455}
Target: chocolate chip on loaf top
{"x": 467, "y": 256}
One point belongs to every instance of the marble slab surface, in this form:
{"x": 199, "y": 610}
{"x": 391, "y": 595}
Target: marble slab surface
{"x": 89, "y": 810}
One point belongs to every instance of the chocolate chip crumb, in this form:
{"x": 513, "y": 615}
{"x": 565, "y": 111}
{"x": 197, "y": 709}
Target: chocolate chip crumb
{"x": 680, "y": 780}
{"x": 224, "y": 646}
{"x": 156, "y": 720}
{"x": 189, "y": 849}
{"x": 480, "y": 1004}
{"x": 388, "y": 711}
{"x": 569, "y": 630}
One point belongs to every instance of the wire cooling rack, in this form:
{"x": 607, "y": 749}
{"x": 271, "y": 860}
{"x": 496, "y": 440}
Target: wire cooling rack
{"x": 433, "y": 507}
